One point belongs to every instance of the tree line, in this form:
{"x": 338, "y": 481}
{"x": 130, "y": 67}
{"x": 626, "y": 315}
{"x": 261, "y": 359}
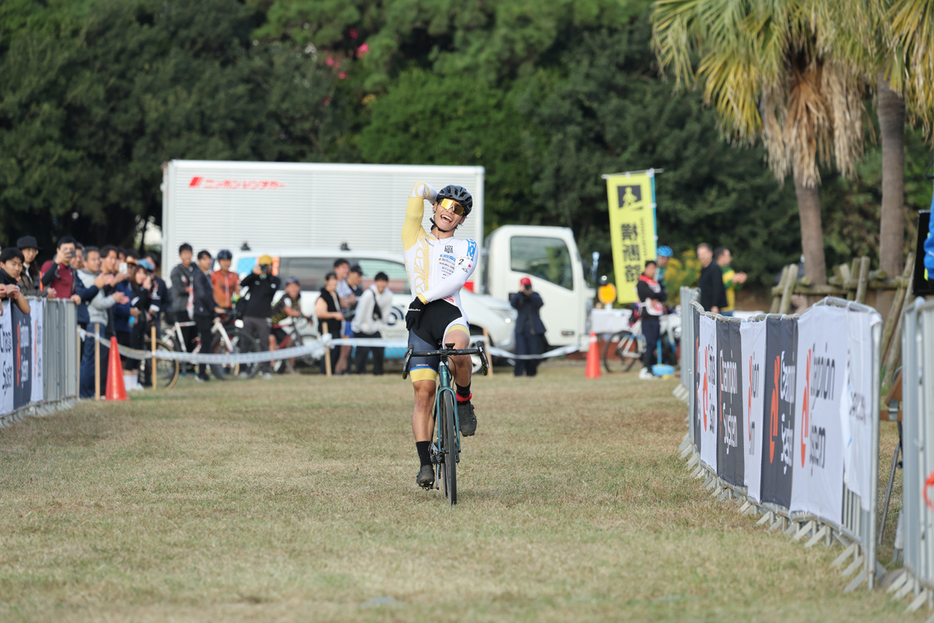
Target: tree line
{"x": 546, "y": 95}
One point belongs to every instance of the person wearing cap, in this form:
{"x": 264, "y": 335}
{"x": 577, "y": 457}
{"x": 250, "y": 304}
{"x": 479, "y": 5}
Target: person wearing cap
{"x": 203, "y": 307}
{"x": 664, "y": 253}
{"x": 529, "y": 326}
{"x": 349, "y": 301}
{"x": 263, "y": 286}
{"x": 289, "y": 306}
{"x": 373, "y": 310}
{"x": 226, "y": 283}
{"x": 31, "y": 278}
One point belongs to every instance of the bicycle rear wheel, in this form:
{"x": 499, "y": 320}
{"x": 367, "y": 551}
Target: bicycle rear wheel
{"x": 240, "y": 342}
{"x": 166, "y": 369}
{"x": 449, "y": 449}
{"x": 623, "y": 351}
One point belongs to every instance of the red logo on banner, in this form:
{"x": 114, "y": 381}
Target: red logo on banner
{"x": 773, "y": 415}
{"x": 805, "y": 410}
{"x": 927, "y": 485}
{"x": 207, "y": 183}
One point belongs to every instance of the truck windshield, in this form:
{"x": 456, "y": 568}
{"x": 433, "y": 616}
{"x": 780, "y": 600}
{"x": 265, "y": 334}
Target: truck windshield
{"x": 545, "y": 258}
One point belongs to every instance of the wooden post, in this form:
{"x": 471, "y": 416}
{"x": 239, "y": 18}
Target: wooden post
{"x": 863, "y": 282}
{"x": 97, "y": 362}
{"x": 486, "y": 342}
{"x": 152, "y": 373}
{"x": 896, "y": 309}
{"x": 790, "y": 279}
{"x": 895, "y": 351}
{"x": 777, "y": 298}
{"x": 327, "y": 360}
{"x": 854, "y": 271}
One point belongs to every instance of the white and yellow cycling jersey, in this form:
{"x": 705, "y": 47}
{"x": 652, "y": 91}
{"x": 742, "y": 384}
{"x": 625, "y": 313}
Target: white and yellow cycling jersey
{"x": 437, "y": 268}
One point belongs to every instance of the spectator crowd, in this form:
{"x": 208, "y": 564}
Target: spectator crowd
{"x": 120, "y": 293}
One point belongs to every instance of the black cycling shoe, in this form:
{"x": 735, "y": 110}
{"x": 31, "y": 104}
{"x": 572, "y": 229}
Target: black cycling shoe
{"x": 467, "y": 418}
{"x": 426, "y": 477}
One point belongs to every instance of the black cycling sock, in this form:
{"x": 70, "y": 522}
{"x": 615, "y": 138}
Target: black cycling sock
{"x": 424, "y": 456}
{"x": 463, "y": 392}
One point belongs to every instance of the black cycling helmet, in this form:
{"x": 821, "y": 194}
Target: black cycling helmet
{"x": 458, "y": 194}
{"x": 224, "y": 254}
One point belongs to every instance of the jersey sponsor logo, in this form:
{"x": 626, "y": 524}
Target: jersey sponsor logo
{"x": 206, "y": 183}
{"x": 447, "y": 257}
{"x": 471, "y": 248}
{"x": 449, "y": 248}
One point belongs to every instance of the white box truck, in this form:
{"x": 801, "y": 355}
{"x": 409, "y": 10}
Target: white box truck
{"x": 358, "y": 209}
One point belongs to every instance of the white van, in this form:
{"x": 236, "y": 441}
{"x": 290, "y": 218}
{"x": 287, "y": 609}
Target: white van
{"x": 310, "y": 267}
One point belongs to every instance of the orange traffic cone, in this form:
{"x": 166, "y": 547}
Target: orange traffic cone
{"x": 115, "y": 388}
{"x": 593, "y": 359}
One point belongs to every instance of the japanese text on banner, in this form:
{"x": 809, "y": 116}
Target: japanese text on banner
{"x": 631, "y": 198}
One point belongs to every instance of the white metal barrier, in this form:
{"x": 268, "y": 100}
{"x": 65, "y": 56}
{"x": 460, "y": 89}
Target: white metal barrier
{"x": 918, "y": 453}
{"x": 846, "y": 517}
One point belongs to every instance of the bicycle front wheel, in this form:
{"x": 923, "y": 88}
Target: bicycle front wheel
{"x": 166, "y": 369}
{"x": 623, "y": 351}
{"x": 449, "y": 448}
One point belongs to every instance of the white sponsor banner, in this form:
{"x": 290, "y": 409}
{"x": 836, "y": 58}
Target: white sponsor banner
{"x": 707, "y": 391}
{"x": 817, "y": 485}
{"x": 753, "y": 338}
{"x": 6, "y": 359}
{"x": 37, "y": 313}
{"x": 855, "y": 408}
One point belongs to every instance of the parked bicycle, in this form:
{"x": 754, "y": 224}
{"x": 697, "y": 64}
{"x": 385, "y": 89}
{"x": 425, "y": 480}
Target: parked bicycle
{"x": 626, "y": 347}
{"x": 293, "y": 338}
{"x": 445, "y": 450}
{"x": 166, "y": 369}
{"x": 226, "y": 340}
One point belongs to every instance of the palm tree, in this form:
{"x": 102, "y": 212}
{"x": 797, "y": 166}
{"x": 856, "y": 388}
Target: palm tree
{"x": 764, "y": 71}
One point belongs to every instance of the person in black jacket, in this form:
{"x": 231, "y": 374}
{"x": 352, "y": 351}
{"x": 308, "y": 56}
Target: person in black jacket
{"x": 203, "y": 307}
{"x": 263, "y": 286}
{"x": 712, "y": 290}
{"x": 652, "y": 295}
{"x": 529, "y": 327}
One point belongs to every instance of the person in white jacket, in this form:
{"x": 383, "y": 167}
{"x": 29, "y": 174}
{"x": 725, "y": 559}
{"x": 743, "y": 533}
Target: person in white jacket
{"x": 373, "y": 310}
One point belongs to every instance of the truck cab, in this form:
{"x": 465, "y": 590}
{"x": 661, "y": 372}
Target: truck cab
{"x": 550, "y": 258}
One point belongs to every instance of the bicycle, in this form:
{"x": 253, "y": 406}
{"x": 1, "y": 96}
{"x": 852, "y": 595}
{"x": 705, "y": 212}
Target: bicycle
{"x": 224, "y": 342}
{"x": 445, "y": 451}
{"x": 166, "y": 369}
{"x": 626, "y": 347}
{"x": 293, "y": 338}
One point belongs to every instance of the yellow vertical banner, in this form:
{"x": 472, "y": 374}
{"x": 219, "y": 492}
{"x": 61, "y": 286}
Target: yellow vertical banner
{"x": 631, "y": 197}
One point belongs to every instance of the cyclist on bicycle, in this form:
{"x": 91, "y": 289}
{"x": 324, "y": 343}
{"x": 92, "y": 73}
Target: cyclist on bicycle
{"x": 438, "y": 266}
{"x": 289, "y": 306}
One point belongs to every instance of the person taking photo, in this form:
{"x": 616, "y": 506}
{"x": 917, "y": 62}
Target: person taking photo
{"x": 529, "y": 327}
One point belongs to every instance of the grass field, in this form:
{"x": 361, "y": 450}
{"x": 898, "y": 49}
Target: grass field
{"x": 294, "y": 500}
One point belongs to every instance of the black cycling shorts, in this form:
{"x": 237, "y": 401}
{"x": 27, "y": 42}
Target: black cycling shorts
{"x": 437, "y": 319}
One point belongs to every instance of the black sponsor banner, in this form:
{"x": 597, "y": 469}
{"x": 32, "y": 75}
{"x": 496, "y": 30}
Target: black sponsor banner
{"x": 781, "y": 348}
{"x": 22, "y": 358}
{"x": 698, "y": 397}
{"x": 730, "y": 459}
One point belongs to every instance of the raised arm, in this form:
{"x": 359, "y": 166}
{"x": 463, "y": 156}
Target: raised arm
{"x": 415, "y": 211}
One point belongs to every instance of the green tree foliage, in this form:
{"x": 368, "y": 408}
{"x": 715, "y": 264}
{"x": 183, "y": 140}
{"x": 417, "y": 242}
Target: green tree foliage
{"x": 91, "y": 108}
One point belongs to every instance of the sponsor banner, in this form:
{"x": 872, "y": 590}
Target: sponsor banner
{"x": 855, "y": 408}
{"x": 631, "y": 197}
{"x": 707, "y": 364}
{"x": 22, "y": 358}
{"x": 37, "y": 312}
{"x": 753, "y": 378}
{"x": 730, "y": 441}
{"x": 698, "y": 366}
{"x": 781, "y": 348}
{"x": 6, "y": 358}
{"x": 818, "y": 465}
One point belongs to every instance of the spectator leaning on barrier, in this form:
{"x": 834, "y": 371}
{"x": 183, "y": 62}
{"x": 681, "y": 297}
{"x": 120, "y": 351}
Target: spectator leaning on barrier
{"x": 226, "y": 283}
{"x": 32, "y": 276}
{"x": 289, "y": 306}
{"x": 712, "y": 292}
{"x": 203, "y": 307}
{"x": 100, "y": 321}
{"x": 529, "y": 327}
{"x": 263, "y": 286}
{"x": 732, "y": 280}
{"x": 328, "y": 311}
{"x": 652, "y": 296}
{"x": 181, "y": 291}
{"x": 352, "y": 284}
{"x": 373, "y": 309}
{"x": 11, "y": 265}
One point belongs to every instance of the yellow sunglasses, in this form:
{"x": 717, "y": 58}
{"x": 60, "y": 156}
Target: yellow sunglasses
{"x": 450, "y": 204}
